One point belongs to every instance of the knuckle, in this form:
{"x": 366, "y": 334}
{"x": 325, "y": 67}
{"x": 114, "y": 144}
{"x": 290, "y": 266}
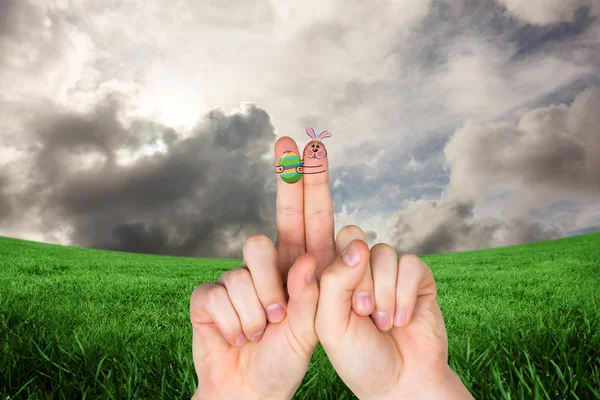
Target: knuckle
{"x": 195, "y": 297}
{"x": 411, "y": 261}
{"x": 255, "y": 327}
{"x": 261, "y": 324}
{"x": 215, "y": 294}
{"x": 236, "y": 276}
{"x": 289, "y": 210}
{"x": 319, "y": 214}
{"x": 196, "y": 292}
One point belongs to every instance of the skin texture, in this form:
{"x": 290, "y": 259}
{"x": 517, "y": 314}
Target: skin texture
{"x": 242, "y": 349}
{"x": 378, "y": 357}
{"x": 271, "y": 365}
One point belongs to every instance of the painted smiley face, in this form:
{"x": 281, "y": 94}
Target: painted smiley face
{"x": 315, "y": 149}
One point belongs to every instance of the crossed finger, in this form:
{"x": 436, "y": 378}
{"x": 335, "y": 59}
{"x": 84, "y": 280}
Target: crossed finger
{"x": 304, "y": 211}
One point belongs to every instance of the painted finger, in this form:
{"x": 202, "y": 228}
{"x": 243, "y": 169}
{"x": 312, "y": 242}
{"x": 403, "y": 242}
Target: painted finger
{"x": 384, "y": 264}
{"x": 290, "y": 194}
{"x": 210, "y": 304}
{"x": 260, "y": 257}
{"x": 240, "y": 288}
{"x": 318, "y": 206}
{"x": 363, "y": 301}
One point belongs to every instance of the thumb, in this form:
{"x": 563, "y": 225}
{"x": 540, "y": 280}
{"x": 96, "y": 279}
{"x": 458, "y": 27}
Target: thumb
{"x": 303, "y": 298}
{"x": 337, "y": 284}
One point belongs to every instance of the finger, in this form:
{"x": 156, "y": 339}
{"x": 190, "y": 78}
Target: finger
{"x": 318, "y": 206}
{"x": 384, "y": 264}
{"x": 210, "y": 304}
{"x": 363, "y": 301}
{"x": 206, "y": 336}
{"x": 240, "y": 288}
{"x": 260, "y": 256}
{"x": 338, "y": 281}
{"x": 302, "y": 305}
{"x": 290, "y": 194}
{"x": 414, "y": 279}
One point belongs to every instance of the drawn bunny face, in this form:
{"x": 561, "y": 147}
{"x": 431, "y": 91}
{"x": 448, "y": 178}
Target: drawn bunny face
{"x": 315, "y": 148}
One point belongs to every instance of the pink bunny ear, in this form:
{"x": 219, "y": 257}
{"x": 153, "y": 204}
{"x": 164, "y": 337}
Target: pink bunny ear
{"x": 311, "y": 133}
{"x": 324, "y": 134}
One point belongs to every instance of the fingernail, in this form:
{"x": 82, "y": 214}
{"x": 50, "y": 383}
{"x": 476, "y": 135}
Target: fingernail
{"x": 310, "y": 276}
{"x": 275, "y": 312}
{"x": 382, "y": 320}
{"x": 351, "y": 256}
{"x": 240, "y": 340}
{"x": 256, "y": 337}
{"x": 364, "y": 301}
{"x": 399, "y": 317}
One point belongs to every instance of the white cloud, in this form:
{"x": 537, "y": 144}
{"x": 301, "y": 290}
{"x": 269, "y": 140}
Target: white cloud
{"x": 505, "y": 178}
{"x": 481, "y": 82}
{"x": 553, "y": 151}
{"x": 53, "y": 58}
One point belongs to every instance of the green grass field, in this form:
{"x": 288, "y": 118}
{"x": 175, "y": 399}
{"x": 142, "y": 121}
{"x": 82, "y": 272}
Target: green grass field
{"x": 523, "y": 322}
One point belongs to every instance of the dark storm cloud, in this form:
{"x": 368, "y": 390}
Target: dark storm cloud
{"x": 201, "y": 196}
{"x": 66, "y": 133}
{"x": 438, "y": 226}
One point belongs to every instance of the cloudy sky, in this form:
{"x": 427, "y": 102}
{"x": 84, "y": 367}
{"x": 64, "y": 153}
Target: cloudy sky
{"x": 149, "y": 126}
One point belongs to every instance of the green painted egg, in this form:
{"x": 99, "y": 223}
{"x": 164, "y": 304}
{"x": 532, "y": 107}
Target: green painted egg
{"x": 290, "y": 162}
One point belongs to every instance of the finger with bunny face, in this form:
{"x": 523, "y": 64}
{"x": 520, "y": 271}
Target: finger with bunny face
{"x": 315, "y": 149}
{"x": 291, "y": 168}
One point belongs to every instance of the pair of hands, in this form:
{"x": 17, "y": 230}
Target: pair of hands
{"x": 377, "y": 317}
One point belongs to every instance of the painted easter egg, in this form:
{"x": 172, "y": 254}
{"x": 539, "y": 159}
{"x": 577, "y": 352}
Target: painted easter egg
{"x": 290, "y": 161}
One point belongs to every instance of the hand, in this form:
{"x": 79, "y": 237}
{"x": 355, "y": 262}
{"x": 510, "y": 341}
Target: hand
{"x": 401, "y": 350}
{"x": 233, "y": 357}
